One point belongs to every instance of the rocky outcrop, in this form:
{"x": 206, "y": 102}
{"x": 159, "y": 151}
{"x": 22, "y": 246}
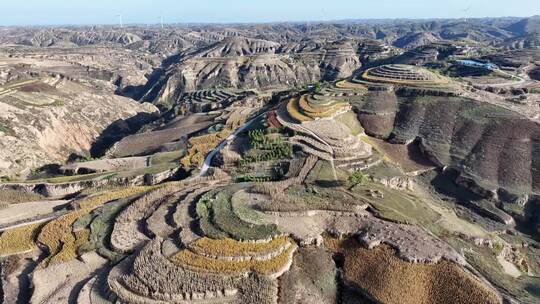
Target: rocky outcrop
{"x": 397, "y": 182}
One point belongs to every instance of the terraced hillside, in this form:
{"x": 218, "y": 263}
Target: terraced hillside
{"x": 402, "y": 75}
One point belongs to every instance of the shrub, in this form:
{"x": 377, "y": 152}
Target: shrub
{"x": 358, "y": 178}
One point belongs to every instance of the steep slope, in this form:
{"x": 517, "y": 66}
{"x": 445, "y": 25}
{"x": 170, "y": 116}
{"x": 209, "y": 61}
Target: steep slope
{"x": 238, "y": 46}
{"x": 244, "y": 63}
{"x": 414, "y": 40}
{"x": 43, "y": 121}
{"x": 494, "y": 147}
{"x": 526, "y": 26}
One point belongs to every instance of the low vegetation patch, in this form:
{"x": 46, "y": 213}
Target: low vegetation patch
{"x": 19, "y": 239}
{"x": 57, "y": 235}
{"x": 15, "y": 196}
{"x": 265, "y": 267}
{"x": 404, "y": 282}
{"x": 217, "y": 220}
{"x": 101, "y": 226}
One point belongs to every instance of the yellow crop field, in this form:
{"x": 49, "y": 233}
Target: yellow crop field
{"x": 19, "y": 239}
{"x": 318, "y": 111}
{"x": 266, "y": 267}
{"x": 232, "y": 248}
{"x": 294, "y": 112}
{"x": 200, "y": 146}
{"x": 71, "y": 242}
{"x": 57, "y": 234}
{"x": 344, "y": 84}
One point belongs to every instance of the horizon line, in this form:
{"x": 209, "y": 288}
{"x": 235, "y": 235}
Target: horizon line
{"x": 335, "y": 21}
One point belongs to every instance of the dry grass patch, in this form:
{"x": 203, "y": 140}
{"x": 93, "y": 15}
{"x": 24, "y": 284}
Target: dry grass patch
{"x": 16, "y": 197}
{"x": 408, "y": 157}
{"x": 18, "y": 240}
{"x": 388, "y": 279}
{"x": 293, "y": 109}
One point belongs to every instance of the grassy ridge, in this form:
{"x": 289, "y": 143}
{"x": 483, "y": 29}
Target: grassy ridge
{"x": 218, "y": 220}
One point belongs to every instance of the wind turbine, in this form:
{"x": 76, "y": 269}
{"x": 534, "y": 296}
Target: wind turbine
{"x": 465, "y": 11}
{"x": 120, "y": 19}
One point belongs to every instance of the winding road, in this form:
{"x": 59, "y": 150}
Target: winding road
{"x": 520, "y": 80}
{"x": 212, "y": 154}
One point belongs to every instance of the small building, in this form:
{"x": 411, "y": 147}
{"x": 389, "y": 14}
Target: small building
{"x": 477, "y": 64}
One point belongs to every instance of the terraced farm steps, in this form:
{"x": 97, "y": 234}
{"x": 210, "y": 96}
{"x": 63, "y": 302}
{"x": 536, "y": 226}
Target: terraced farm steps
{"x": 153, "y": 214}
{"x": 302, "y": 170}
{"x": 159, "y": 222}
{"x": 149, "y": 277}
{"x": 360, "y": 164}
{"x": 400, "y": 74}
{"x": 269, "y": 258}
{"x": 163, "y": 222}
{"x": 308, "y": 108}
{"x": 207, "y": 100}
{"x": 218, "y": 220}
{"x": 183, "y": 218}
{"x": 126, "y": 235}
{"x": 325, "y": 138}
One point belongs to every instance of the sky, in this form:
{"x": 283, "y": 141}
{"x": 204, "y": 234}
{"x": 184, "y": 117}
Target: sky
{"x": 75, "y": 12}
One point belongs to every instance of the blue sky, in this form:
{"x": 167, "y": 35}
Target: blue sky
{"x": 47, "y": 12}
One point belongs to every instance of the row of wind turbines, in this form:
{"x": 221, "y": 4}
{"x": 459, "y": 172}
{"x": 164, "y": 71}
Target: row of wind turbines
{"x": 121, "y": 21}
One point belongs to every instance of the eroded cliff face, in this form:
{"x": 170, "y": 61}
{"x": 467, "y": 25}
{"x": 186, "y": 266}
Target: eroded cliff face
{"x": 243, "y": 63}
{"x": 43, "y": 121}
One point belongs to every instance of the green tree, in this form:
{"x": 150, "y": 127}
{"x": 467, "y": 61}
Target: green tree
{"x": 358, "y": 178}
